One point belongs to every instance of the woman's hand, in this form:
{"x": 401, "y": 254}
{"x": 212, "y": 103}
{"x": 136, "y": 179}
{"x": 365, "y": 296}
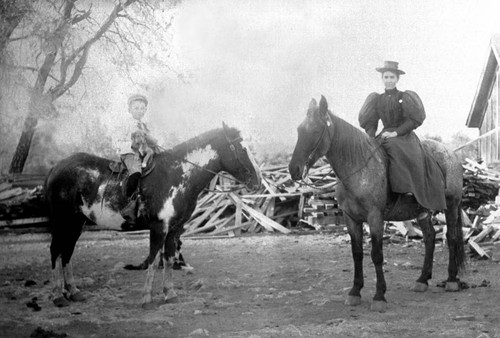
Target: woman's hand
{"x": 389, "y": 134}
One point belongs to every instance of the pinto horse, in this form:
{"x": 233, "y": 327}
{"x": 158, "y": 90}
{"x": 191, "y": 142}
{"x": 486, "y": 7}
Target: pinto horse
{"x": 82, "y": 187}
{"x": 364, "y": 195}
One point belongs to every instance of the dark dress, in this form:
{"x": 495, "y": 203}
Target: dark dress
{"x": 411, "y": 168}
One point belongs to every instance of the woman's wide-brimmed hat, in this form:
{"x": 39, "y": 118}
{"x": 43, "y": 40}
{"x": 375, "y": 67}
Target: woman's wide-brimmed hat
{"x": 137, "y": 97}
{"x": 390, "y": 66}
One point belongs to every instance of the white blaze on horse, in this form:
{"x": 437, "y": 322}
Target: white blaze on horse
{"x": 82, "y": 187}
{"x": 364, "y": 195}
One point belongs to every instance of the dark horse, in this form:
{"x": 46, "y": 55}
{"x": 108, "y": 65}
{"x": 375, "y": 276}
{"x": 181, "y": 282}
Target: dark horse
{"x": 82, "y": 187}
{"x": 364, "y": 195}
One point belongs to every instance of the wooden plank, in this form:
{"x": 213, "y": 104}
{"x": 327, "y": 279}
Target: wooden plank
{"x": 23, "y": 221}
{"x": 270, "y": 208}
{"x": 482, "y": 234}
{"x": 496, "y": 235}
{"x": 231, "y": 228}
{"x": 263, "y": 220}
{"x": 478, "y": 249}
{"x": 205, "y": 227}
{"x": 271, "y": 189}
{"x": 197, "y": 221}
{"x": 273, "y": 195}
{"x": 237, "y": 218}
{"x": 400, "y": 226}
{"x": 5, "y": 186}
{"x": 301, "y": 205}
{"x": 10, "y": 193}
{"x": 213, "y": 182}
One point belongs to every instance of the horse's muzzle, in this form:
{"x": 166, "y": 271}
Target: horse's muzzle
{"x": 297, "y": 171}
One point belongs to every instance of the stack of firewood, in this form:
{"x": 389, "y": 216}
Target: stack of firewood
{"x": 480, "y": 185}
{"x": 21, "y": 200}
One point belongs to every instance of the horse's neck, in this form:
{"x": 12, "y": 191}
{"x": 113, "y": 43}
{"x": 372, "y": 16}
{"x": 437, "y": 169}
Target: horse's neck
{"x": 350, "y": 149}
{"x": 199, "y": 169}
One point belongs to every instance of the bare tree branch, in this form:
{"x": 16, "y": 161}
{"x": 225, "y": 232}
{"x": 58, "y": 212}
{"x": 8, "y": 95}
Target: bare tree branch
{"x": 32, "y": 69}
{"x": 83, "y": 50}
{"x": 80, "y": 17}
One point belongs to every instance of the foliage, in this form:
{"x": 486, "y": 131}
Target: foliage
{"x": 55, "y": 40}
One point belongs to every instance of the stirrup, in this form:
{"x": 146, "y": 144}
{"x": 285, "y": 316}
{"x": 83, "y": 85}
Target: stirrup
{"x": 129, "y": 212}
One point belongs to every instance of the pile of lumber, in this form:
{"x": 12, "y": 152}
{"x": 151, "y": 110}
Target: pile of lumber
{"x": 223, "y": 210}
{"x": 21, "y": 200}
{"x": 322, "y": 211}
{"x": 483, "y": 237}
{"x": 480, "y": 185}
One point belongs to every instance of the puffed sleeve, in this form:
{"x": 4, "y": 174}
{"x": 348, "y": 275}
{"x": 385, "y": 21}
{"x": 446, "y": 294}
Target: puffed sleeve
{"x": 368, "y": 116}
{"x": 413, "y": 108}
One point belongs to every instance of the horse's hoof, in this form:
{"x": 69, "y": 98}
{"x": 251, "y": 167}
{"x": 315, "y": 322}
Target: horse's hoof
{"x": 419, "y": 287}
{"x": 353, "y": 300}
{"x": 452, "y": 287}
{"x": 135, "y": 267}
{"x": 77, "y": 297}
{"x": 148, "y": 306}
{"x": 379, "y": 306}
{"x": 61, "y": 302}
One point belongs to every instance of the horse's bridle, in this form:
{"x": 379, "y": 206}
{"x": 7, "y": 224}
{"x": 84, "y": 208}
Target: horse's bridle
{"x": 326, "y": 130}
{"x": 235, "y": 152}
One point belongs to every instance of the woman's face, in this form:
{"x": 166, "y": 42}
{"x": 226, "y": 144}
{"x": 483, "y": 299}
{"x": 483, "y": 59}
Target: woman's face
{"x": 137, "y": 109}
{"x": 390, "y": 80}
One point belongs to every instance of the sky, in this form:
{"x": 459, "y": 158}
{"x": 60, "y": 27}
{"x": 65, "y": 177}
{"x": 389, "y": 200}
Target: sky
{"x": 256, "y": 64}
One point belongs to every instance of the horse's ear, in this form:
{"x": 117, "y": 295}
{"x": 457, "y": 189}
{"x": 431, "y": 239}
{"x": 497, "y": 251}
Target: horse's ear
{"x": 224, "y": 125}
{"x": 323, "y": 106}
{"x": 312, "y": 106}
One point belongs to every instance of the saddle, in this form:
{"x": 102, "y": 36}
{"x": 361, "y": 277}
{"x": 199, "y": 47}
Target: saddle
{"x": 118, "y": 167}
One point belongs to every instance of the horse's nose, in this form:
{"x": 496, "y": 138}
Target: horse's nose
{"x": 294, "y": 170}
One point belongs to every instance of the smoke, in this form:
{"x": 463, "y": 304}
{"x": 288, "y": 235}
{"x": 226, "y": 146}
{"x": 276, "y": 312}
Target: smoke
{"x": 254, "y": 65}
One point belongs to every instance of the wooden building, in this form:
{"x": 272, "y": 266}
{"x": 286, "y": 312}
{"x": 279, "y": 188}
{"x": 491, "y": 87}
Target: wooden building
{"x": 484, "y": 112}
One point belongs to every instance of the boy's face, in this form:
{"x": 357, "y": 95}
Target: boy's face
{"x": 137, "y": 109}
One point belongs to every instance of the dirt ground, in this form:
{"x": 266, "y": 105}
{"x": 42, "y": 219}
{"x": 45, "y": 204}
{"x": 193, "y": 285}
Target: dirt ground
{"x": 259, "y": 286}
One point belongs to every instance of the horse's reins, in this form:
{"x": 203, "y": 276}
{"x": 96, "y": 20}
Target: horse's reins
{"x": 231, "y": 146}
{"x": 326, "y": 128}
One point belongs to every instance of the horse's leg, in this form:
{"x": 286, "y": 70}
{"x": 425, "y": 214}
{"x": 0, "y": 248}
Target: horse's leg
{"x": 424, "y": 221}
{"x": 61, "y": 249}
{"x": 376, "y": 223}
{"x": 67, "y": 268}
{"x": 454, "y": 237}
{"x": 179, "y": 262}
{"x": 57, "y": 277}
{"x": 168, "y": 265}
{"x": 157, "y": 236}
{"x": 356, "y": 233}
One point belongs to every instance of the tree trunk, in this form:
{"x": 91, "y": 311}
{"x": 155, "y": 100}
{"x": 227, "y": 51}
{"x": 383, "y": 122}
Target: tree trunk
{"x": 23, "y": 147}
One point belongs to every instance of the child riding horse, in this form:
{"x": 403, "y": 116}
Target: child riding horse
{"x": 81, "y": 186}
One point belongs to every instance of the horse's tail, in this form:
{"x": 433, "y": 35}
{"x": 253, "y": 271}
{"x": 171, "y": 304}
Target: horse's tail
{"x": 458, "y": 244}
{"x": 45, "y": 196}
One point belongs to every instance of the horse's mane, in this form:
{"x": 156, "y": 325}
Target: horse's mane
{"x": 201, "y": 140}
{"x": 352, "y": 145}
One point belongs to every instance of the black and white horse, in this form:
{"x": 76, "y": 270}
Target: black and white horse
{"x": 82, "y": 187}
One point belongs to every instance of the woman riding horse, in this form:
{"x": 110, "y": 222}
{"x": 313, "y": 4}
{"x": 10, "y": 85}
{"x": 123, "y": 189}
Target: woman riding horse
{"x": 411, "y": 169}
{"x": 364, "y": 195}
